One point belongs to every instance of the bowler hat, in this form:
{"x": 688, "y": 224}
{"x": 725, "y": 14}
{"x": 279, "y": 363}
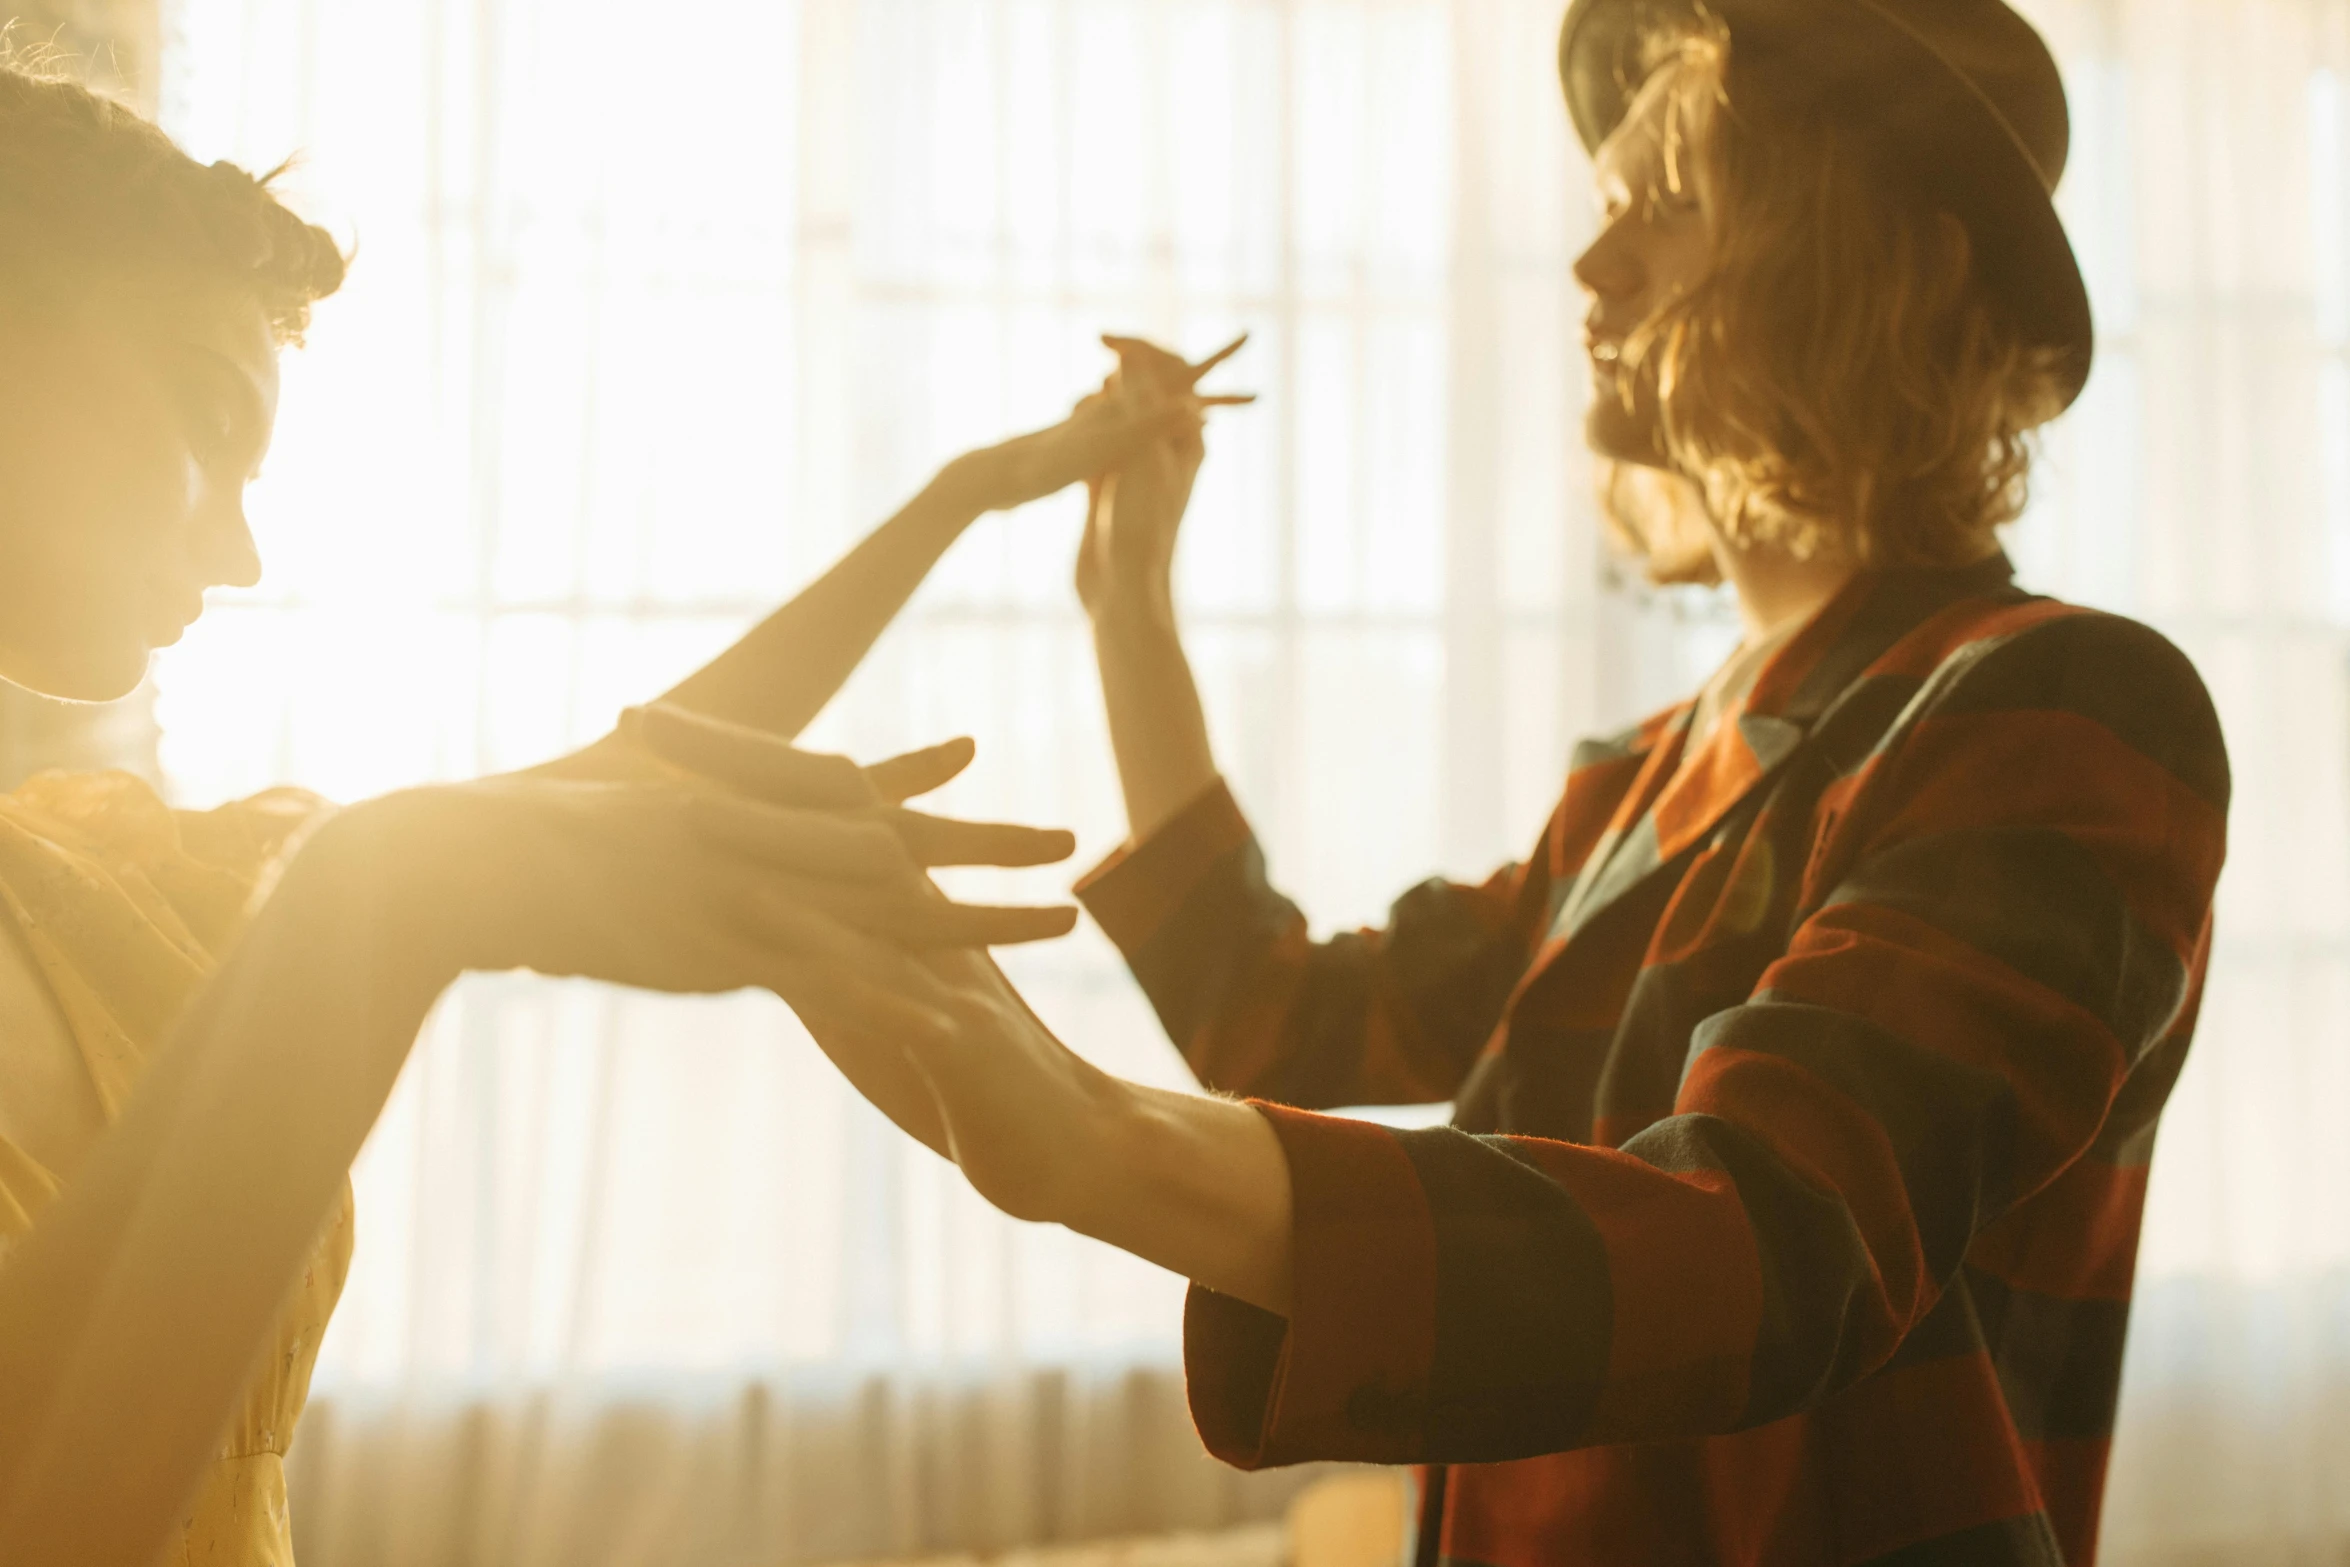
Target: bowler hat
{"x": 1963, "y": 96}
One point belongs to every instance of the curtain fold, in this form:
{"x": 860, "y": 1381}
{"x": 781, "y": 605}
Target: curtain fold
{"x": 2204, "y": 485}
{"x": 819, "y": 1465}
{"x": 653, "y": 313}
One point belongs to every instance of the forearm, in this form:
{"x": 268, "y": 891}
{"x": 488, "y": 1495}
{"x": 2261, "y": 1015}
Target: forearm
{"x": 1158, "y": 731}
{"x": 780, "y": 675}
{"x": 131, "y": 1315}
{"x": 1197, "y": 1185}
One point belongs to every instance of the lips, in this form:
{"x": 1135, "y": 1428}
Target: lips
{"x": 173, "y": 613}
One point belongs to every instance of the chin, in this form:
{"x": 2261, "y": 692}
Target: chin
{"x": 85, "y": 675}
{"x": 1616, "y": 435}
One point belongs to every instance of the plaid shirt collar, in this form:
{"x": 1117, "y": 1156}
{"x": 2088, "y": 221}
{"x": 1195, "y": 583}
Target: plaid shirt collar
{"x": 1674, "y": 802}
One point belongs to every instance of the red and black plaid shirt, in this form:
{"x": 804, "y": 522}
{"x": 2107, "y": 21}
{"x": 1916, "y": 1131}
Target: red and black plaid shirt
{"x": 1804, "y": 1092}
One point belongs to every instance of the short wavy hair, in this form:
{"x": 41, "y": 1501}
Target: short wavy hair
{"x": 90, "y": 189}
{"x": 1839, "y": 381}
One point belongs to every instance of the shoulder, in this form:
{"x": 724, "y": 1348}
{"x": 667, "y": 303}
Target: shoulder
{"x": 2043, "y": 665}
{"x": 92, "y": 811}
{"x": 257, "y": 828}
{"x": 119, "y": 818}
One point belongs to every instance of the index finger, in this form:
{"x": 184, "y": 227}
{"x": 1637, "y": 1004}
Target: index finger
{"x": 947, "y": 840}
{"x": 762, "y": 765}
{"x": 1199, "y": 371}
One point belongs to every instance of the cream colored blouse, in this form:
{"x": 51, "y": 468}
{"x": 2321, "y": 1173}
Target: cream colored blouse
{"x": 123, "y": 906}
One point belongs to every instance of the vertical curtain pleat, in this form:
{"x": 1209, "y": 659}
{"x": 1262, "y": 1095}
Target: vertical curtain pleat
{"x": 2204, "y": 485}
{"x": 818, "y": 1466}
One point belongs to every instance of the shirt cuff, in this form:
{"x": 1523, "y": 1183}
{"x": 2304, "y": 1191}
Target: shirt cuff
{"x": 1346, "y": 1377}
{"x": 1140, "y": 886}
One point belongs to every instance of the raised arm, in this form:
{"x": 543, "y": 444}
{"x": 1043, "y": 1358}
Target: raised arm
{"x": 1125, "y": 580}
{"x": 784, "y": 670}
{"x": 1394, "y": 1015}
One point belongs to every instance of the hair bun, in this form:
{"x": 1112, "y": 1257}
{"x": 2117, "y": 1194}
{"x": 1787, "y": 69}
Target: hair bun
{"x": 88, "y": 186}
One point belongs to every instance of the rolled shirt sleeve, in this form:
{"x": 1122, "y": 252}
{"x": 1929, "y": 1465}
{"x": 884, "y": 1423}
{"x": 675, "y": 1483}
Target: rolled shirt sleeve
{"x": 1346, "y": 1375}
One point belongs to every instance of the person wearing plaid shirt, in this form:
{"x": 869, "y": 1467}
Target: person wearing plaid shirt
{"x": 1806, "y": 1072}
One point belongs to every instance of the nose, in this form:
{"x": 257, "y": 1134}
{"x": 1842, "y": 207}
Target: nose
{"x": 1608, "y": 269}
{"x": 226, "y": 553}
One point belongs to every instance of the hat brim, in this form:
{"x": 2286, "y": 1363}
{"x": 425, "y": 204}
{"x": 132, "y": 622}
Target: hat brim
{"x": 1860, "y": 57}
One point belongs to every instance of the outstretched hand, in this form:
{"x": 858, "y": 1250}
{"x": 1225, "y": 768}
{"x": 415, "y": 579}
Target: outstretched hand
{"x": 764, "y": 791}
{"x": 762, "y": 781}
{"x": 1192, "y": 1183}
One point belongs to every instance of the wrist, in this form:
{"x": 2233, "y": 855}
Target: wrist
{"x": 1139, "y": 610}
{"x": 958, "y": 494}
{"x": 1196, "y": 1184}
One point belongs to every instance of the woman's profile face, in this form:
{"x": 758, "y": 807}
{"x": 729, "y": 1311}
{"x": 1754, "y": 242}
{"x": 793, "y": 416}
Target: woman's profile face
{"x": 1653, "y": 246}
{"x": 131, "y": 421}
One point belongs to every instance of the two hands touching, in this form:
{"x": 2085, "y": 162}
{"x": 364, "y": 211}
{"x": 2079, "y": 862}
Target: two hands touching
{"x": 690, "y": 853}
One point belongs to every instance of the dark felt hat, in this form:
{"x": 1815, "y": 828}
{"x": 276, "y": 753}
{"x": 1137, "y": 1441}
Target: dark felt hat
{"x": 1963, "y": 95}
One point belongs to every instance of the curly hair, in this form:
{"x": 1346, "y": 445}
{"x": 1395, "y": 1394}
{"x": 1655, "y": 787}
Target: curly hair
{"x": 88, "y": 188}
{"x": 1839, "y": 381}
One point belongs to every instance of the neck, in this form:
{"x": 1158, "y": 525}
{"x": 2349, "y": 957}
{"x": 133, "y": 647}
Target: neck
{"x": 1775, "y": 590}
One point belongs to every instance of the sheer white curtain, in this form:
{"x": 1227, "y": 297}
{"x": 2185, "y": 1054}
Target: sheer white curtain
{"x": 652, "y": 314}
{"x": 655, "y": 310}
{"x": 2204, "y": 485}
